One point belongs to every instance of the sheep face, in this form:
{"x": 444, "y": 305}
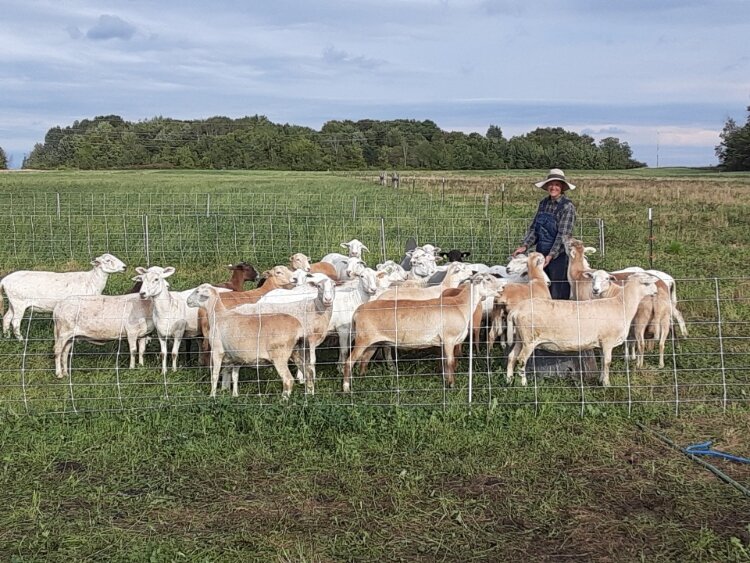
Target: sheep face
{"x": 109, "y": 264}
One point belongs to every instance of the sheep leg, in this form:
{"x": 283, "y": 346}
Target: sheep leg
{"x": 287, "y": 380}
{"x": 177, "y": 339}
{"x": 7, "y": 318}
{"x": 205, "y": 344}
{"x": 163, "y": 354}
{"x": 16, "y": 322}
{"x": 216, "y": 358}
{"x": 59, "y": 357}
{"x": 345, "y": 334}
{"x": 512, "y": 355}
{"x": 450, "y": 365}
{"x": 367, "y": 357}
{"x": 226, "y": 379}
{"x": 639, "y": 346}
{"x": 606, "y": 361}
{"x": 235, "y": 381}
{"x": 142, "y": 342}
{"x": 356, "y": 354}
{"x": 663, "y": 332}
{"x": 523, "y": 356}
{"x": 133, "y": 348}
{"x": 65, "y": 358}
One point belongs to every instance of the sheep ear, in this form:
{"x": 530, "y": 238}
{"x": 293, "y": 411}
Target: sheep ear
{"x": 168, "y": 271}
{"x": 365, "y": 248}
{"x": 588, "y": 275}
{"x": 444, "y": 254}
{"x": 612, "y": 278}
{"x": 137, "y": 278}
{"x": 589, "y": 250}
{"x": 465, "y": 254}
{"x": 344, "y": 245}
{"x": 141, "y": 270}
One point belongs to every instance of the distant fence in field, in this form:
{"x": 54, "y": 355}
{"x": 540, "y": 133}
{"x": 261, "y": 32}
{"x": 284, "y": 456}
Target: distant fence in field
{"x": 252, "y": 203}
{"x": 265, "y": 239}
{"x": 709, "y": 367}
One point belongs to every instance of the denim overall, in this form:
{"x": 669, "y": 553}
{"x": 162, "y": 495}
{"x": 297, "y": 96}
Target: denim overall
{"x": 545, "y": 228}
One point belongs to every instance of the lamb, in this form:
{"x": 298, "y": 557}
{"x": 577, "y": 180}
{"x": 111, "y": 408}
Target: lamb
{"x": 580, "y": 286}
{"x": 314, "y": 313}
{"x": 42, "y": 291}
{"x": 249, "y": 340}
{"x": 276, "y": 277}
{"x": 654, "y": 315}
{"x": 172, "y": 317}
{"x": 241, "y": 273}
{"x": 355, "y": 248}
{"x": 345, "y": 303}
{"x": 454, "y": 275}
{"x": 573, "y": 326}
{"x": 515, "y": 292}
{"x": 100, "y": 318}
{"x": 300, "y": 261}
{"x": 409, "y": 323}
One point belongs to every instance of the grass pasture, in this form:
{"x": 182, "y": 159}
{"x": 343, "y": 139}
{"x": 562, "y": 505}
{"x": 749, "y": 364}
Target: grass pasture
{"x": 122, "y": 464}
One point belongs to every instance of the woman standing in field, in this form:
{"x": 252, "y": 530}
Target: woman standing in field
{"x": 554, "y": 220}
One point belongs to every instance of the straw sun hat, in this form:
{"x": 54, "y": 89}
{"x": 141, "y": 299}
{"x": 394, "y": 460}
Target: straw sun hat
{"x": 555, "y": 174}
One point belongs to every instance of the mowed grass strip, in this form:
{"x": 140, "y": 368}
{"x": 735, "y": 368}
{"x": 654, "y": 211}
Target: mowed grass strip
{"x": 217, "y": 482}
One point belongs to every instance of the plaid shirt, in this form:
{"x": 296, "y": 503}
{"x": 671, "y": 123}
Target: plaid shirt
{"x": 565, "y": 215}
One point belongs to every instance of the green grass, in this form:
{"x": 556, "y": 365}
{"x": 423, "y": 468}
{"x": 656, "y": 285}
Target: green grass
{"x": 120, "y": 464}
{"x": 220, "y": 483}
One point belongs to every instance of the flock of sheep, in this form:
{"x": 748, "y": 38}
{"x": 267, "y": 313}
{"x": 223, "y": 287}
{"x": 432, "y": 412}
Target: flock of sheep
{"x": 414, "y": 303}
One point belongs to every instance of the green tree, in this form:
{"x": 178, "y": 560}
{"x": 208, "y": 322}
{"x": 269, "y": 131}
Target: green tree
{"x": 734, "y": 150}
{"x": 3, "y": 160}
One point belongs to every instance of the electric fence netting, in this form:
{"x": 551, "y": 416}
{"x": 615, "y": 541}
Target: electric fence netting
{"x": 199, "y": 236}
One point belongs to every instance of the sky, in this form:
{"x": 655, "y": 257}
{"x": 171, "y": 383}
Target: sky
{"x": 661, "y": 75}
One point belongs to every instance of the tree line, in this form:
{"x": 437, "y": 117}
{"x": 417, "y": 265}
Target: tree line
{"x": 734, "y": 150}
{"x": 257, "y": 143}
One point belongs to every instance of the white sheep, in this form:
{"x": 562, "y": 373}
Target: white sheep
{"x": 41, "y": 291}
{"x": 172, "y": 316}
{"x": 98, "y": 319}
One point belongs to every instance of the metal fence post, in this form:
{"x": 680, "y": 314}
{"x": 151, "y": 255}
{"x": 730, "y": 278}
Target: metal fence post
{"x": 382, "y": 238}
{"x": 145, "y": 240}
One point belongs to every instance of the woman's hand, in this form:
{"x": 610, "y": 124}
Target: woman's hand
{"x": 520, "y": 250}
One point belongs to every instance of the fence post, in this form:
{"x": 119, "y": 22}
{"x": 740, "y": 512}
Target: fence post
{"x": 502, "y": 199}
{"x": 650, "y": 240}
{"x": 442, "y": 193}
{"x": 58, "y": 205}
{"x": 601, "y": 236}
{"x": 382, "y": 238}
{"x": 354, "y": 208}
{"x": 208, "y": 205}
{"x": 721, "y": 346}
{"x": 145, "y": 240}
{"x": 486, "y": 205}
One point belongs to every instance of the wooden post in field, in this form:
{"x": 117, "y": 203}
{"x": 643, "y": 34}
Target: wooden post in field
{"x": 58, "y": 206}
{"x": 486, "y": 204}
{"x": 502, "y": 199}
{"x": 442, "y": 192}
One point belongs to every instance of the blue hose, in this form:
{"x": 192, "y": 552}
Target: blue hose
{"x": 704, "y": 448}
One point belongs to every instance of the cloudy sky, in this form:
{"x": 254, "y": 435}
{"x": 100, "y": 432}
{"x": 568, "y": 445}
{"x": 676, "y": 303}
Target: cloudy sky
{"x": 661, "y": 75}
